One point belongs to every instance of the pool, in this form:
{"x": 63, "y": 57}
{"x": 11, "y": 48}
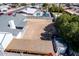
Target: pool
{"x": 38, "y": 14}
{"x": 46, "y": 14}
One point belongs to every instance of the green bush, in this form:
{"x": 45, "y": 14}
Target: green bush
{"x": 68, "y": 28}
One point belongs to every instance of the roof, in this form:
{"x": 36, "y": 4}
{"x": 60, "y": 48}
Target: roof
{"x": 34, "y": 28}
{"x": 19, "y": 23}
{"x": 31, "y": 41}
{"x": 30, "y": 46}
{"x": 29, "y": 10}
{"x": 18, "y": 20}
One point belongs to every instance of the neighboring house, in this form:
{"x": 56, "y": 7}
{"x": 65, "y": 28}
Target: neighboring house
{"x": 30, "y": 11}
{"x": 35, "y": 12}
{"x": 36, "y": 5}
{"x": 72, "y": 9}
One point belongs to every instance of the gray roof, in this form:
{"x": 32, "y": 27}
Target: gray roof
{"x": 18, "y": 20}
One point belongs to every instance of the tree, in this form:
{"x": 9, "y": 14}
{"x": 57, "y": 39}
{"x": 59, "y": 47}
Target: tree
{"x": 55, "y": 8}
{"x": 33, "y": 4}
{"x": 68, "y": 28}
{"x": 45, "y": 6}
{"x": 23, "y": 4}
{"x": 14, "y": 5}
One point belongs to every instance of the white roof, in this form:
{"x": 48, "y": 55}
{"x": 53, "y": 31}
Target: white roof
{"x": 24, "y": 10}
{"x": 29, "y": 10}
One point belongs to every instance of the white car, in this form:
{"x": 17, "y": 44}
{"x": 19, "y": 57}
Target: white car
{"x": 4, "y": 9}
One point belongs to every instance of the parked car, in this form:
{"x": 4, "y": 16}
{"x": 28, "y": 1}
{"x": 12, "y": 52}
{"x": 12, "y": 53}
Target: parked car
{"x": 4, "y": 9}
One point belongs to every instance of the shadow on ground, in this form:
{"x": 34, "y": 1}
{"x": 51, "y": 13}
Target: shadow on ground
{"x": 49, "y": 31}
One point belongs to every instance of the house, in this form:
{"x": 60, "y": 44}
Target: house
{"x": 24, "y": 33}
{"x": 30, "y": 38}
{"x": 29, "y": 11}
{"x": 72, "y": 9}
{"x": 35, "y": 12}
{"x": 18, "y": 23}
